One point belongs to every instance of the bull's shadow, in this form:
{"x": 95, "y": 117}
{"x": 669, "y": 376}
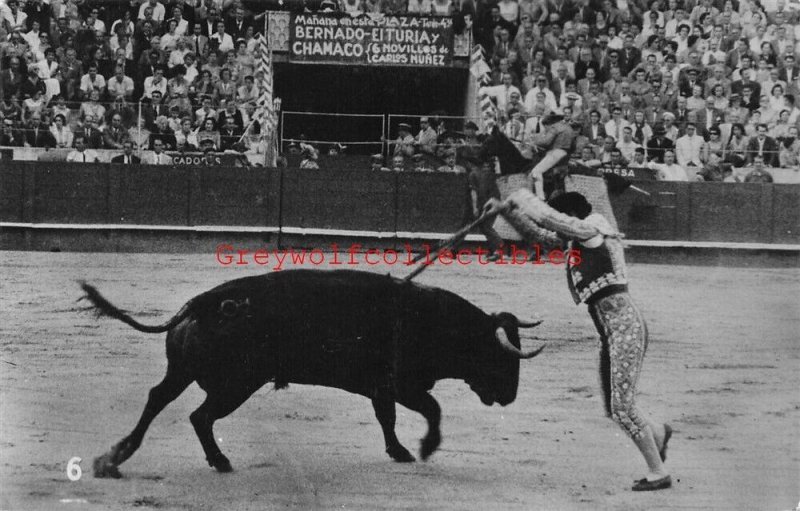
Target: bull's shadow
{"x": 368, "y": 334}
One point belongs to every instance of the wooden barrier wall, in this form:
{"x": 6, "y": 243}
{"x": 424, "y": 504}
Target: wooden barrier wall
{"x": 297, "y": 201}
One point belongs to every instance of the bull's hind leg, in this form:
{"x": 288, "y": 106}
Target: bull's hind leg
{"x": 218, "y": 404}
{"x": 420, "y": 401}
{"x": 160, "y": 396}
{"x": 385, "y": 412}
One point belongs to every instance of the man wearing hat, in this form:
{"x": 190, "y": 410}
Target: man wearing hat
{"x": 687, "y": 147}
{"x": 657, "y": 145}
{"x": 404, "y": 144}
{"x": 426, "y": 138}
{"x": 556, "y": 143}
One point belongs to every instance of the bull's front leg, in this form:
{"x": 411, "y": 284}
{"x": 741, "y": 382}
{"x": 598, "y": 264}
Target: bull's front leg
{"x": 384, "y": 407}
{"x": 420, "y": 401}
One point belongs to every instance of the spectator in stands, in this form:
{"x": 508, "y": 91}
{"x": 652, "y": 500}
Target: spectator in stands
{"x": 91, "y": 81}
{"x": 687, "y": 148}
{"x": 62, "y": 134}
{"x": 198, "y": 42}
{"x": 155, "y": 82}
{"x": 627, "y": 145}
{"x": 34, "y": 104}
{"x": 225, "y": 88}
{"x": 81, "y": 153}
{"x": 669, "y": 170}
{"x": 758, "y": 174}
{"x": 115, "y": 135}
{"x": 765, "y": 147}
{"x": 230, "y": 134}
{"x": 228, "y": 109}
{"x": 159, "y": 157}
{"x": 790, "y": 150}
{"x": 220, "y": 40}
{"x": 211, "y": 65}
{"x": 736, "y": 149}
{"x": 124, "y": 110}
{"x": 426, "y": 138}
{"x": 404, "y": 145}
{"x": 9, "y": 136}
{"x": 93, "y": 107}
{"x": 127, "y": 157}
{"x": 208, "y": 132}
{"x": 120, "y": 85}
{"x": 398, "y": 163}
{"x": 162, "y": 132}
{"x": 309, "y": 160}
{"x": 451, "y": 165}
{"x": 248, "y": 93}
{"x": 91, "y": 134}
{"x": 37, "y": 133}
{"x": 659, "y": 144}
{"x": 14, "y": 18}
{"x": 185, "y": 136}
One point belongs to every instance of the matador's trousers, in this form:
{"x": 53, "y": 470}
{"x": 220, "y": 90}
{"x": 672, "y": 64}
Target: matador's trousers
{"x": 623, "y": 335}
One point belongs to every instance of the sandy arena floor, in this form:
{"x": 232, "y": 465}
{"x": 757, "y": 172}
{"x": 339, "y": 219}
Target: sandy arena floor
{"x": 723, "y": 368}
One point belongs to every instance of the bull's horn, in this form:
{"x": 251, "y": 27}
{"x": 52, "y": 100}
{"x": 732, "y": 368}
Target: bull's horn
{"x": 528, "y": 324}
{"x": 509, "y": 348}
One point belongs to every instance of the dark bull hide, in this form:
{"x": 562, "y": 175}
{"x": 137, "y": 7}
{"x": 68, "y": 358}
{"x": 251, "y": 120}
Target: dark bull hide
{"x": 365, "y": 333}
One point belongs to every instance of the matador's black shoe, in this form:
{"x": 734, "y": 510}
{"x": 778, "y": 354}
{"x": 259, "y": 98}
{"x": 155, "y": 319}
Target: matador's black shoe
{"x": 659, "y": 484}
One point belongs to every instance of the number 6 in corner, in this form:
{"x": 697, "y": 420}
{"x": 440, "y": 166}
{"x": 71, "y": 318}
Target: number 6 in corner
{"x": 74, "y": 471}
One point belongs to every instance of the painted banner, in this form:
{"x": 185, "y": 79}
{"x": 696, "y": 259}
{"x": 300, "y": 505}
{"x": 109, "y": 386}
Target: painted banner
{"x": 425, "y": 41}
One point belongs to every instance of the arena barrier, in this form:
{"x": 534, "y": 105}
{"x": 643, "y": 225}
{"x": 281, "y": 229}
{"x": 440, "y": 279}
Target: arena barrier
{"x": 293, "y": 203}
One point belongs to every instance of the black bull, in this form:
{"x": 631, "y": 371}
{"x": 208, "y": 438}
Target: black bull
{"x": 365, "y": 333}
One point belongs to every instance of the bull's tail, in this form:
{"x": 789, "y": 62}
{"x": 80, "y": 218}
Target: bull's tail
{"x": 105, "y": 308}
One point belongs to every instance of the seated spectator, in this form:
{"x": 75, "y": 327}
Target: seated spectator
{"x": 205, "y": 85}
{"x": 211, "y": 65}
{"x": 61, "y": 132}
{"x": 92, "y": 80}
{"x": 230, "y": 134}
{"x": 152, "y": 110}
{"x": 159, "y": 157}
{"x": 82, "y": 153}
{"x": 32, "y": 84}
{"x": 208, "y": 131}
{"x": 221, "y": 41}
{"x": 248, "y": 93}
{"x": 170, "y": 39}
{"x": 758, "y": 174}
{"x": 190, "y": 65}
{"x": 687, "y": 148}
{"x": 14, "y": 18}
{"x": 228, "y": 109}
{"x": 790, "y": 150}
{"x": 627, "y": 145}
{"x": 127, "y": 157}
{"x": 93, "y": 107}
{"x": 177, "y": 55}
{"x": 186, "y": 138}
{"x": 123, "y": 25}
{"x": 451, "y": 165}
{"x": 120, "y": 85}
{"x": 155, "y": 82}
{"x": 90, "y": 133}
{"x": 9, "y": 136}
{"x": 765, "y": 147}
{"x": 245, "y": 61}
{"x": 35, "y": 104}
{"x": 205, "y": 111}
{"x": 175, "y": 118}
{"x": 126, "y": 112}
{"x": 162, "y": 132}
{"x": 37, "y": 133}
{"x": 115, "y": 135}
{"x": 182, "y": 23}
{"x": 225, "y": 88}
{"x": 781, "y": 127}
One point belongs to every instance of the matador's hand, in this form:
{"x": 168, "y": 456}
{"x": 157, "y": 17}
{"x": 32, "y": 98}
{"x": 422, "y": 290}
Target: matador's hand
{"x": 493, "y": 207}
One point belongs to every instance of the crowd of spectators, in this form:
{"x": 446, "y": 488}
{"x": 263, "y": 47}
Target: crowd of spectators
{"x": 179, "y": 74}
{"x": 711, "y": 83}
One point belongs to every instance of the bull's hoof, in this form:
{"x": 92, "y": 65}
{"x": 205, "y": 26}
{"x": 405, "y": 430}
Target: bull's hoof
{"x": 220, "y": 463}
{"x": 429, "y": 445}
{"x": 105, "y": 468}
{"x": 400, "y": 454}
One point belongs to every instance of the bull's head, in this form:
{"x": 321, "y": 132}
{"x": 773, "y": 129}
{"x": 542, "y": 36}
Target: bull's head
{"x": 498, "y": 379}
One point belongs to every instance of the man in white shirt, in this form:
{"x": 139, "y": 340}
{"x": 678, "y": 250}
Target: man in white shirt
{"x": 155, "y": 82}
{"x": 92, "y": 80}
{"x": 616, "y": 124}
{"x": 81, "y": 154}
{"x": 158, "y": 157}
{"x": 501, "y": 93}
{"x": 120, "y": 85}
{"x": 549, "y": 98}
{"x": 225, "y": 41}
{"x": 627, "y": 146}
{"x": 14, "y": 17}
{"x": 669, "y": 170}
{"x": 158, "y": 10}
{"x": 687, "y": 148}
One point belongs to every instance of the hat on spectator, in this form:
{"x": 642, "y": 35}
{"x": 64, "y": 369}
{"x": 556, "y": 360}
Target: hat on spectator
{"x": 404, "y": 126}
{"x": 573, "y": 96}
{"x": 469, "y": 125}
{"x": 377, "y": 158}
{"x": 669, "y": 115}
{"x": 423, "y": 119}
